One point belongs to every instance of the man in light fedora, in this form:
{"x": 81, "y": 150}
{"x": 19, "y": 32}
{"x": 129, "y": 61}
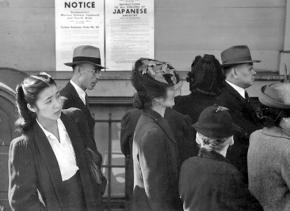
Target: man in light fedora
{"x": 86, "y": 65}
{"x": 237, "y": 65}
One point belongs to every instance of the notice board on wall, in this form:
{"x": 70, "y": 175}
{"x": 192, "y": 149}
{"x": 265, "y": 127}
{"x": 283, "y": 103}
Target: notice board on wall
{"x": 122, "y": 29}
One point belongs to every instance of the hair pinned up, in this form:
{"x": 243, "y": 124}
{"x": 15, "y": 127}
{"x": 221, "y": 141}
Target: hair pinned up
{"x": 27, "y": 93}
{"x": 206, "y": 75}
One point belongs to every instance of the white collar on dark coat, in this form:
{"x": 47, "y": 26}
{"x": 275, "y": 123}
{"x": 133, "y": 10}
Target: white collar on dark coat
{"x": 80, "y": 91}
{"x": 240, "y": 90}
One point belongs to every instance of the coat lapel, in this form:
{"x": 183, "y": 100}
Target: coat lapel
{"x": 78, "y": 103}
{"x": 162, "y": 123}
{"x": 76, "y": 98}
{"x": 78, "y": 146}
{"x": 235, "y": 94}
{"x": 50, "y": 161}
{"x": 74, "y": 136}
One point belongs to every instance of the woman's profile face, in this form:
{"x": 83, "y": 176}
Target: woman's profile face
{"x": 49, "y": 103}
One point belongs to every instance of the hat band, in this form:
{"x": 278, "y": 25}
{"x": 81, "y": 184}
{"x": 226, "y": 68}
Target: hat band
{"x": 239, "y": 59}
{"x": 87, "y": 59}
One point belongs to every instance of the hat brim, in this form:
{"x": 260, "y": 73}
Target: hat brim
{"x": 71, "y": 64}
{"x": 240, "y": 62}
{"x": 268, "y": 101}
{"x": 214, "y": 133}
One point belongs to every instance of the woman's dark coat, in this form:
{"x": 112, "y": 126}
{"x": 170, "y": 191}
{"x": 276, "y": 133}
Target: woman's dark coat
{"x": 193, "y": 104}
{"x": 155, "y": 161}
{"x": 33, "y": 167}
{"x": 180, "y": 126}
{"x": 209, "y": 182}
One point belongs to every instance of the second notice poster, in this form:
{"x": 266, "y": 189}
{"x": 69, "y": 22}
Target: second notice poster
{"x": 129, "y": 32}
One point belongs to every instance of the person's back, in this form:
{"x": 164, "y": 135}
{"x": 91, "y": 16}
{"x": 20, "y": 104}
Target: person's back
{"x": 268, "y": 167}
{"x": 209, "y": 182}
{"x": 215, "y": 185}
{"x": 205, "y": 81}
{"x": 193, "y": 104}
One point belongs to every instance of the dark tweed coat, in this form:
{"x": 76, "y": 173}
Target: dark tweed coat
{"x": 155, "y": 160}
{"x": 33, "y": 167}
{"x": 209, "y": 182}
{"x": 180, "y": 126}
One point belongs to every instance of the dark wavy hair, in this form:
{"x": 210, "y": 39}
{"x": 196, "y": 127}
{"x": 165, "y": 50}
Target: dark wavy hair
{"x": 206, "y": 75}
{"x": 27, "y": 93}
{"x": 140, "y": 99}
{"x": 271, "y": 117}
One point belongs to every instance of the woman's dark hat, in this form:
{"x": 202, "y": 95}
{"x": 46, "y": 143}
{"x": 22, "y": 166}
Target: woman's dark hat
{"x": 235, "y": 55}
{"x": 153, "y": 77}
{"x": 275, "y": 95}
{"x": 216, "y": 122}
{"x": 86, "y": 54}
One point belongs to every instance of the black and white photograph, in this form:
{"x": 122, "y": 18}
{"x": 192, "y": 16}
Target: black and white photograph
{"x": 145, "y": 105}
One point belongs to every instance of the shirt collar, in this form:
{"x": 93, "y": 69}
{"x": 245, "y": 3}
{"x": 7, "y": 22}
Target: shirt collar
{"x": 80, "y": 91}
{"x": 48, "y": 134}
{"x": 240, "y": 90}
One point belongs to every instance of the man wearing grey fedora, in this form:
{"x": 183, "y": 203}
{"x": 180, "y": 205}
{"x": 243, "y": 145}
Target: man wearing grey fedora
{"x": 237, "y": 65}
{"x": 86, "y": 65}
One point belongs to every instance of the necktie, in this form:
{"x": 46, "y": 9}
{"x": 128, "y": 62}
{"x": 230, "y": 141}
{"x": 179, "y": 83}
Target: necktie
{"x": 87, "y": 101}
{"x": 246, "y": 95}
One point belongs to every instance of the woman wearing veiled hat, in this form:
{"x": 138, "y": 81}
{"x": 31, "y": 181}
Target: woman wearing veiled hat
{"x": 269, "y": 150}
{"x": 205, "y": 83}
{"x": 155, "y": 156}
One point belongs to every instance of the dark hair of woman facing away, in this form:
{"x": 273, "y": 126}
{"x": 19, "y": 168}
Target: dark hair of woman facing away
{"x": 206, "y": 75}
{"x": 27, "y": 93}
{"x": 271, "y": 117}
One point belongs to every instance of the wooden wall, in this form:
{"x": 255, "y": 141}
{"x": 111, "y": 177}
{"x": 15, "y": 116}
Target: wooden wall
{"x": 183, "y": 29}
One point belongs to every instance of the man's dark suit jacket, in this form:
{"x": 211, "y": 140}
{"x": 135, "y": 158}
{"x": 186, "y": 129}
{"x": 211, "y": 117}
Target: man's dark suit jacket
{"x": 155, "y": 160}
{"x": 244, "y": 116}
{"x": 72, "y": 99}
{"x": 208, "y": 182}
{"x": 33, "y": 167}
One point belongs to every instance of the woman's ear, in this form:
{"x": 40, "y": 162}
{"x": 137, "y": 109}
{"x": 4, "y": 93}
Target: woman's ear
{"x": 30, "y": 108}
{"x": 231, "y": 140}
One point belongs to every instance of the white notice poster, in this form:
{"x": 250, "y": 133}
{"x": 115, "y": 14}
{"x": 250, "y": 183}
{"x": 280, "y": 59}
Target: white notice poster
{"x": 129, "y": 32}
{"x": 77, "y": 22}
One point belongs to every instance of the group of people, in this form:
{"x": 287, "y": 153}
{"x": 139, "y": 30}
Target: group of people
{"x": 214, "y": 149}
{"x": 209, "y": 150}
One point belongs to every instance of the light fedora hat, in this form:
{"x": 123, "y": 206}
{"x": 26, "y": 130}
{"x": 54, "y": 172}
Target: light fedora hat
{"x": 275, "y": 95}
{"x": 86, "y": 54}
{"x": 239, "y": 54}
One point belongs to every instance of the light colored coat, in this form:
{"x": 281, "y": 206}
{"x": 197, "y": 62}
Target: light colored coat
{"x": 269, "y": 168}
